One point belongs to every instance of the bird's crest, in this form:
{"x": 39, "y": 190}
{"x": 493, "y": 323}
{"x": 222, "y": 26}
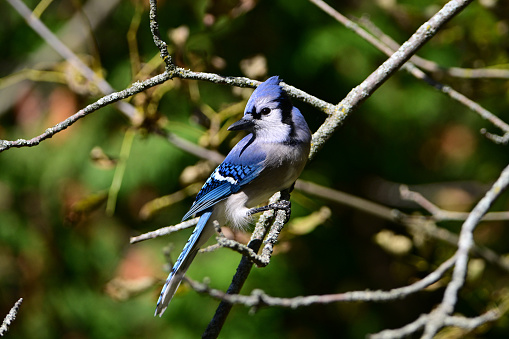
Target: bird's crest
{"x": 270, "y": 88}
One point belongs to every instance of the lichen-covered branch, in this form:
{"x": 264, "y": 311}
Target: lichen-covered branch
{"x": 385, "y": 44}
{"x": 164, "y": 231}
{"x": 258, "y": 298}
{"x": 135, "y": 88}
{"x": 465, "y": 243}
{"x": 52, "y": 40}
{"x": 9, "y": 318}
{"x": 360, "y": 93}
{"x": 243, "y": 269}
{"x": 161, "y": 45}
{"x": 456, "y": 321}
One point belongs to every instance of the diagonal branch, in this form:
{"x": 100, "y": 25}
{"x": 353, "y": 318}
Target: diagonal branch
{"x": 67, "y": 54}
{"x": 137, "y": 87}
{"x": 271, "y": 238}
{"x": 385, "y": 44}
{"x": 244, "y": 268}
{"x": 414, "y": 224}
{"x": 431, "y": 66}
{"x": 164, "y": 231}
{"x": 465, "y": 243}
{"x": 9, "y": 318}
{"x": 360, "y": 93}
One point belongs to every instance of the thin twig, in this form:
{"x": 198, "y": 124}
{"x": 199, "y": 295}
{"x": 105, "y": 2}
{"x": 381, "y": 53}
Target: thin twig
{"x": 263, "y": 259}
{"x": 404, "y": 331}
{"x": 126, "y": 108}
{"x": 472, "y": 323}
{"x": 135, "y": 88}
{"x": 164, "y": 231}
{"x": 258, "y": 298}
{"x": 52, "y": 40}
{"x": 294, "y": 92}
{"x": 443, "y": 215}
{"x": 190, "y": 147}
{"x": 456, "y": 321}
{"x": 360, "y": 93}
{"x": 9, "y": 318}
{"x": 236, "y": 246}
{"x": 350, "y": 200}
{"x": 498, "y": 139}
{"x": 388, "y": 46}
{"x": 161, "y": 45}
{"x": 431, "y": 66}
{"x": 465, "y": 243}
{"x": 414, "y": 223}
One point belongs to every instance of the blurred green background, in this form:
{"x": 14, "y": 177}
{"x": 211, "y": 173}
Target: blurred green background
{"x": 70, "y": 258}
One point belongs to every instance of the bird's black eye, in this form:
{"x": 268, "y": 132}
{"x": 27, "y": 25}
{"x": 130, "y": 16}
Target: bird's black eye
{"x": 265, "y": 111}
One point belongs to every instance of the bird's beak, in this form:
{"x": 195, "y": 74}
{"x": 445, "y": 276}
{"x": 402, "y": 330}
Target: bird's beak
{"x": 242, "y": 124}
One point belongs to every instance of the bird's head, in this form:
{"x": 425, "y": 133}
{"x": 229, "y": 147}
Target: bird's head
{"x": 268, "y": 108}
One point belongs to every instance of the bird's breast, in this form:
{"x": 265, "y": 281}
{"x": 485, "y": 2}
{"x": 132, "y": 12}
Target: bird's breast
{"x": 282, "y": 167}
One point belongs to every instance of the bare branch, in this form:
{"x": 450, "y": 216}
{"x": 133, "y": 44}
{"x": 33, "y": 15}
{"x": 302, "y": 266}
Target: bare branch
{"x": 431, "y": 66}
{"x": 270, "y": 240}
{"x": 404, "y": 331}
{"x": 456, "y": 321}
{"x": 9, "y": 318}
{"x": 346, "y": 199}
{"x": 360, "y": 93}
{"x": 258, "y": 298}
{"x": 453, "y": 94}
{"x": 503, "y": 140}
{"x": 472, "y": 323}
{"x": 190, "y": 147}
{"x": 246, "y": 82}
{"x": 415, "y": 224}
{"x": 161, "y": 45}
{"x": 443, "y": 215}
{"x": 164, "y": 231}
{"x": 236, "y": 246}
{"x": 67, "y": 54}
{"x": 465, "y": 243}
{"x": 137, "y": 87}
{"x": 388, "y": 46}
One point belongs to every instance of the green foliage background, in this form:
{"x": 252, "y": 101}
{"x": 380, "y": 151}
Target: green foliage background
{"x": 62, "y": 259}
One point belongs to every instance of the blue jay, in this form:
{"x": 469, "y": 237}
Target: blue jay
{"x": 269, "y": 159}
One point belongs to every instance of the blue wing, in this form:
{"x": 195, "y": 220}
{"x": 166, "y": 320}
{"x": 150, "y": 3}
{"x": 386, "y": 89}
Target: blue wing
{"x": 226, "y": 179}
{"x": 242, "y": 164}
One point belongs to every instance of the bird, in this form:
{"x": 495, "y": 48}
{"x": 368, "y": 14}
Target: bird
{"x": 267, "y": 160}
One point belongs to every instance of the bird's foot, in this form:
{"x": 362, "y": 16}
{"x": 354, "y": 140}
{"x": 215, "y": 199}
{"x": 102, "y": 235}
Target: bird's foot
{"x": 280, "y": 205}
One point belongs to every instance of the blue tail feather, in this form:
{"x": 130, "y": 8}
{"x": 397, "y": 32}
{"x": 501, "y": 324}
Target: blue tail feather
{"x": 199, "y": 236}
